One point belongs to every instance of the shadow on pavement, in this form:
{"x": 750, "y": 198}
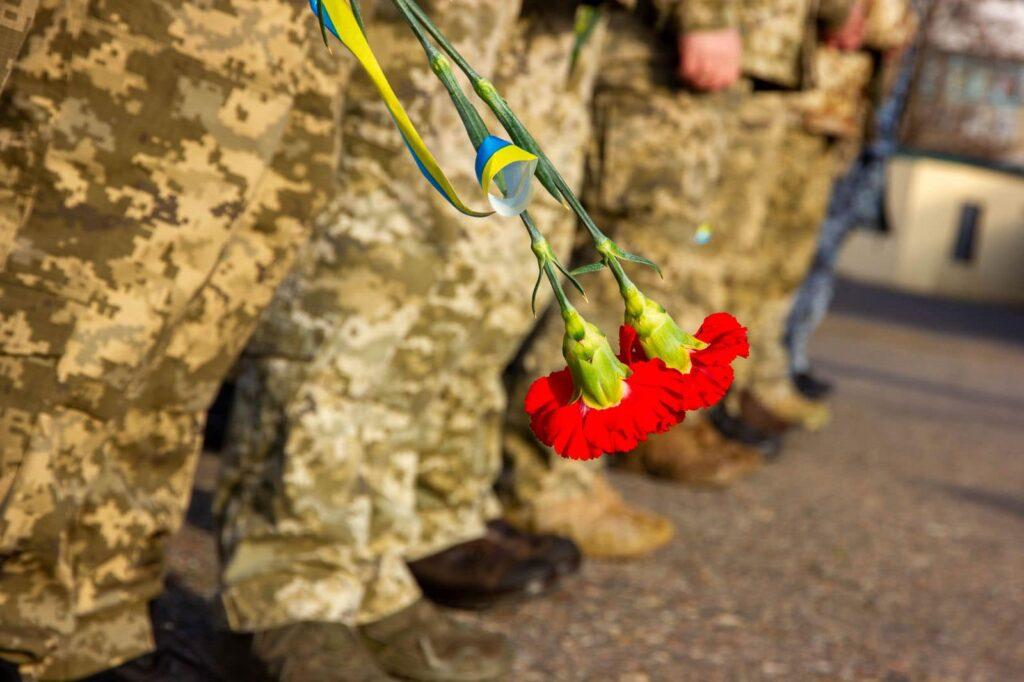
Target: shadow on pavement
{"x": 1005, "y": 503}
{"x": 996, "y": 322}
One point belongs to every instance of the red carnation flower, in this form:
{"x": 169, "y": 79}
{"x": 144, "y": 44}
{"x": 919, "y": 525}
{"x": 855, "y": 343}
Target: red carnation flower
{"x": 710, "y": 373}
{"x": 599, "y": 404}
{"x": 651, "y": 403}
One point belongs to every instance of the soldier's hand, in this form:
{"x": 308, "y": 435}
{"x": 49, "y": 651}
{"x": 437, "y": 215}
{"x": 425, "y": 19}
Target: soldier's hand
{"x": 850, "y": 36}
{"x": 710, "y": 60}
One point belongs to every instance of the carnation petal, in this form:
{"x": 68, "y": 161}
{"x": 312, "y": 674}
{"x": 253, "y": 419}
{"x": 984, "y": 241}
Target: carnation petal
{"x": 652, "y": 404}
{"x": 630, "y": 349}
{"x": 726, "y": 339}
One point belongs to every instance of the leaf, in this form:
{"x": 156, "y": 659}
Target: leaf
{"x": 587, "y": 269}
{"x": 569, "y": 275}
{"x": 632, "y": 257}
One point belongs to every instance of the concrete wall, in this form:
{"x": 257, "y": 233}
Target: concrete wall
{"x": 926, "y": 198}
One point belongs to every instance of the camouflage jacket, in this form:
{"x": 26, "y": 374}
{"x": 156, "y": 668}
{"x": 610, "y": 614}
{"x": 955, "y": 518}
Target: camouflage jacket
{"x": 848, "y": 85}
{"x": 779, "y": 36}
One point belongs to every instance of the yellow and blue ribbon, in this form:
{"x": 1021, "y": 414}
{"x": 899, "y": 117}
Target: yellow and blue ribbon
{"x": 702, "y": 235}
{"x": 340, "y": 21}
{"x": 514, "y": 168}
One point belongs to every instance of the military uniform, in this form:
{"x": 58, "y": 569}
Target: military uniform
{"x": 160, "y": 162}
{"x": 665, "y": 160}
{"x": 367, "y": 420}
{"x": 827, "y": 115}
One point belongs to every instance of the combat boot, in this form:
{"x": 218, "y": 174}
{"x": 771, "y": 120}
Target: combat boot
{"x": 601, "y": 523}
{"x": 562, "y": 553}
{"x": 478, "y": 573}
{"x": 783, "y": 404}
{"x": 422, "y": 642}
{"x": 767, "y": 440}
{"x": 325, "y": 652}
{"x": 812, "y": 386}
{"x": 695, "y": 455}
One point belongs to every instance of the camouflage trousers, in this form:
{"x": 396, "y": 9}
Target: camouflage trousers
{"x": 158, "y": 162}
{"x": 367, "y": 422}
{"x": 806, "y": 164}
{"x": 663, "y": 162}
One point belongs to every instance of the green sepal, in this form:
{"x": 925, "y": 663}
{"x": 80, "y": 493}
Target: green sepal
{"x": 536, "y": 288}
{"x": 597, "y": 373}
{"x": 320, "y": 12}
{"x": 571, "y": 278}
{"x": 633, "y": 258}
{"x": 659, "y": 334}
{"x": 358, "y": 14}
{"x": 587, "y": 269}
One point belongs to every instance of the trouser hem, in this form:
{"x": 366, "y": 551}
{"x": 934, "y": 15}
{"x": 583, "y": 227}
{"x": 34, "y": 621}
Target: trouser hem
{"x": 261, "y": 605}
{"x": 99, "y": 642}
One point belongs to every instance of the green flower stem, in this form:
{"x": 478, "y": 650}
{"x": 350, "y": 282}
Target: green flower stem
{"x": 485, "y": 89}
{"x": 628, "y": 290}
{"x": 548, "y": 175}
{"x": 439, "y": 64}
{"x": 547, "y": 263}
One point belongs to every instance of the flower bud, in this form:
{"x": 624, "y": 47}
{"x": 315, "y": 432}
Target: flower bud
{"x": 659, "y": 334}
{"x": 598, "y": 375}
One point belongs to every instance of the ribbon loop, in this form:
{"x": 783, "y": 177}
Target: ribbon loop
{"x": 508, "y": 170}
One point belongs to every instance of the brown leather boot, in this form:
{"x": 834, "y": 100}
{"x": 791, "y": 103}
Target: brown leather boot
{"x": 422, "y": 642}
{"x": 478, "y": 573}
{"x": 780, "y": 407}
{"x": 601, "y": 523}
{"x": 326, "y": 652}
{"x": 562, "y": 553}
{"x": 697, "y": 455}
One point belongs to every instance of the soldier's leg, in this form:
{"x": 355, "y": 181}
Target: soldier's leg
{"x": 700, "y": 273}
{"x": 495, "y": 267}
{"x": 136, "y": 177}
{"x": 814, "y": 296}
{"x": 652, "y": 202}
{"x": 846, "y": 209}
{"x": 636, "y": 199}
{"x": 318, "y": 499}
{"x": 549, "y": 494}
{"x": 798, "y": 204}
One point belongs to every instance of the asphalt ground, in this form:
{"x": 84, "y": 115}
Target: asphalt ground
{"x": 888, "y": 546}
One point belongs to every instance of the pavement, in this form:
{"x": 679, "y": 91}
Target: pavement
{"x": 888, "y": 546}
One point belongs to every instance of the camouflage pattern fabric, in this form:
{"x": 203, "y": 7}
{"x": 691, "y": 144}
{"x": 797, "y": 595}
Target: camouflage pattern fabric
{"x": 776, "y": 45}
{"x": 367, "y": 421}
{"x": 763, "y": 295}
{"x": 147, "y": 217}
{"x": 701, "y": 15}
{"x": 837, "y": 105}
{"x": 663, "y": 162}
{"x": 15, "y": 20}
{"x": 779, "y": 36}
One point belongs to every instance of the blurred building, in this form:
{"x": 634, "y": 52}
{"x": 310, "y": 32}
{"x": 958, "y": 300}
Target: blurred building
{"x": 955, "y": 196}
